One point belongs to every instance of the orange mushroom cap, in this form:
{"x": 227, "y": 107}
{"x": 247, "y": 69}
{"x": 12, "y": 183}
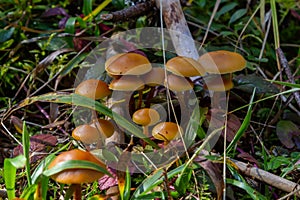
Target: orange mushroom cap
{"x": 92, "y": 88}
{"x": 127, "y": 64}
{"x": 184, "y": 66}
{"x": 86, "y": 133}
{"x": 179, "y": 83}
{"x": 127, "y": 83}
{"x": 154, "y": 77}
{"x": 145, "y": 117}
{"x": 222, "y": 62}
{"x": 76, "y": 176}
{"x": 166, "y": 131}
{"x": 104, "y": 126}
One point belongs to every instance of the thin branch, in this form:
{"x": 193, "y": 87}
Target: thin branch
{"x": 284, "y": 63}
{"x": 129, "y": 13}
{"x": 267, "y": 177}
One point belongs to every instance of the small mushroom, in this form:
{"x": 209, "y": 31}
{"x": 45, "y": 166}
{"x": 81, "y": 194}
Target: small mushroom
{"x": 145, "y": 117}
{"x": 92, "y": 88}
{"x": 127, "y": 64}
{"x": 103, "y": 126}
{"x": 76, "y": 177}
{"x": 166, "y": 131}
{"x": 87, "y": 134}
{"x": 184, "y": 66}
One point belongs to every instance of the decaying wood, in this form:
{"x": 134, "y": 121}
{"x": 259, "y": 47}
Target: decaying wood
{"x": 175, "y": 21}
{"x": 267, "y": 177}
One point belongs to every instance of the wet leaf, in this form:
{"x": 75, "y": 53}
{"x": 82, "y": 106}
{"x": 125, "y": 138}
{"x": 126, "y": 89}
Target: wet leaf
{"x": 237, "y": 15}
{"x": 38, "y": 144}
{"x": 248, "y": 82}
{"x": 6, "y": 34}
{"x": 287, "y": 133}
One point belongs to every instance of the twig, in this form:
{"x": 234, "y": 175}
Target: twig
{"x": 269, "y": 178}
{"x": 128, "y": 13}
{"x": 284, "y": 63}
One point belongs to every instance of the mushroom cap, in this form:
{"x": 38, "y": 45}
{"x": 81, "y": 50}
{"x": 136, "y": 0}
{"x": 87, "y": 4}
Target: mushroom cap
{"x": 127, "y": 83}
{"x": 86, "y": 133}
{"x": 179, "y": 83}
{"x": 145, "y": 117}
{"x": 218, "y": 84}
{"x": 92, "y": 88}
{"x": 154, "y": 77}
{"x": 166, "y": 131}
{"x": 184, "y": 66}
{"x": 222, "y": 62}
{"x": 76, "y": 176}
{"x": 127, "y": 64}
{"x": 103, "y": 126}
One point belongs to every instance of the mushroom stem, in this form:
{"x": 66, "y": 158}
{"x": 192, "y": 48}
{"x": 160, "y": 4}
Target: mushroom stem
{"x": 77, "y": 191}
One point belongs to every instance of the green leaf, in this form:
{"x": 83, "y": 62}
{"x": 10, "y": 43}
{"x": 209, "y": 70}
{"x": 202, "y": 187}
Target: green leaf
{"x": 6, "y": 34}
{"x": 225, "y": 9}
{"x": 119, "y": 4}
{"x": 253, "y": 193}
{"x": 127, "y": 185}
{"x": 26, "y": 146}
{"x": 237, "y": 15}
{"x": 244, "y": 125}
{"x": 70, "y": 25}
{"x": 6, "y": 44}
{"x": 74, "y": 164}
{"x": 10, "y": 168}
{"x": 181, "y": 183}
{"x": 293, "y": 85}
{"x": 276, "y": 162}
{"x": 87, "y": 7}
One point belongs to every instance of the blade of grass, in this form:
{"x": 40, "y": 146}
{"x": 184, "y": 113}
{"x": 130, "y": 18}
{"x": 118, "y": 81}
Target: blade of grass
{"x": 266, "y": 98}
{"x": 75, "y": 99}
{"x": 243, "y": 185}
{"x": 73, "y": 164}
{"x": 26, "y": 146}
{"x": 244, "y": 125}
{"x": 10, "y": 168}
{"x": 293, "y": 85}
{"x": 97, "y": 10}
{"x": 275, "y": 23}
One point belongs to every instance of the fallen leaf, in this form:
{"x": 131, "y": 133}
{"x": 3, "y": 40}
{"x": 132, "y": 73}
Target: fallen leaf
{"x": 287, "y": 133}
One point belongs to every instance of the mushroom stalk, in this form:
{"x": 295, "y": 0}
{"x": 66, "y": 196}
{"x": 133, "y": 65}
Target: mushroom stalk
{"x": 77, "y": 191}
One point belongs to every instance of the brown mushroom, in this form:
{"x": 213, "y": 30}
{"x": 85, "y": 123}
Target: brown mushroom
{"x": 92, "y": 88}
{"x": 218, "y": 84}
{"x": 184, "y": 66}
{"x": 76, "y": 177}
{"x": 166, "y": 131}
{"x": 127, "y": 64}
{"x": 221, "y": 62}
{"x": 145, "y": 117}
